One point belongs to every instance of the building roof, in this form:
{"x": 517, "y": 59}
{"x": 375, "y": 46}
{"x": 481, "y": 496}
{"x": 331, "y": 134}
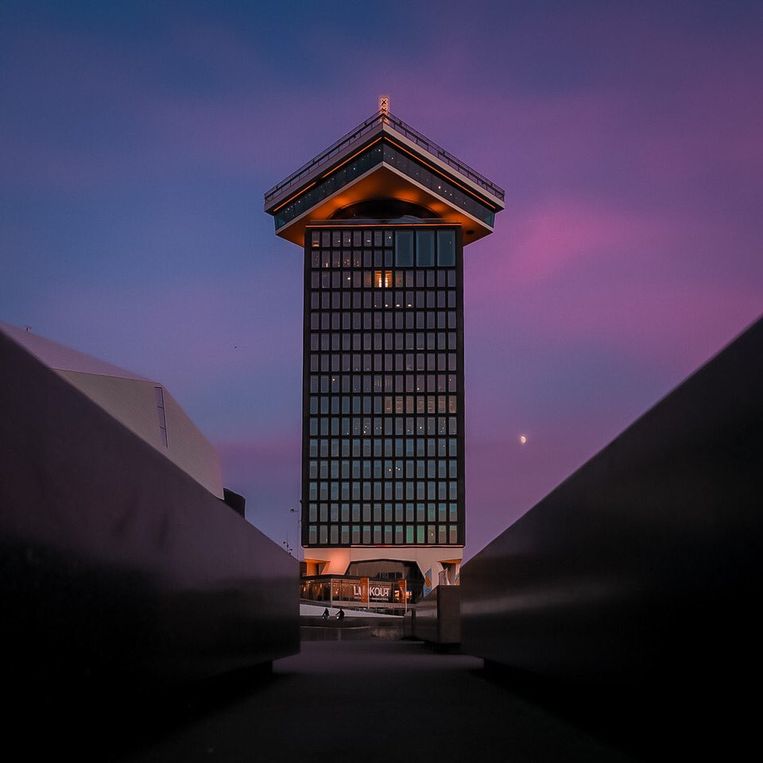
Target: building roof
{"x": 384, "y": 158}
{"x": 62, "y": 358}
{"x": 142, "y": 405}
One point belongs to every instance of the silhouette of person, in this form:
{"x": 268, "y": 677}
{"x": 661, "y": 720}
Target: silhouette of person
{"x": 325, "y": 614}
{"x": 340, "y": 614}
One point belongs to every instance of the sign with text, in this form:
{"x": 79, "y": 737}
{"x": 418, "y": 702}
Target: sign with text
{"x": 362, "y": 590}
{"x": 379, "y": 591}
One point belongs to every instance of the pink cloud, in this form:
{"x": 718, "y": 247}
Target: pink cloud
{"x": 560, "y": 234}
{"x": 587, "y": 271}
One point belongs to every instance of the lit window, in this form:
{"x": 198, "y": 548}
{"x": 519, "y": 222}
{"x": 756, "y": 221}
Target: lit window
{"x": 446, "y": 248}
{"x": 383, "y": 279}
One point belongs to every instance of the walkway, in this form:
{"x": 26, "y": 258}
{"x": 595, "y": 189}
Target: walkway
{"x": 377, "y": 701}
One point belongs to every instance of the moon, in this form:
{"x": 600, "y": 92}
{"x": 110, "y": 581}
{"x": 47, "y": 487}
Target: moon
{"x": 523, "y": 439}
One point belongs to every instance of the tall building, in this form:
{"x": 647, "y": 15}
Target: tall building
{"x": 383, "y": 216}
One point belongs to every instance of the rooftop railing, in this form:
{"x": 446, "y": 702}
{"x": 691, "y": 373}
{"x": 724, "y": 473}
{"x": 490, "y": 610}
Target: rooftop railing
{"x": 444, "y": 156}
{"x": 357, "y": 135}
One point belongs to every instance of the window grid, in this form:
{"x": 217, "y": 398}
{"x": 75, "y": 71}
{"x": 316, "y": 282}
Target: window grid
{"x": 383, "y": 442}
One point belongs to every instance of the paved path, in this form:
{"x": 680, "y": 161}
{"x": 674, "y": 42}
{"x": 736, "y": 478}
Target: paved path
{"x": 377, "y": 701}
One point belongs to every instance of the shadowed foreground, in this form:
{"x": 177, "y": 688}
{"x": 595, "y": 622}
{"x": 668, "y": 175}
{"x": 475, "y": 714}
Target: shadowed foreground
{"x": 374, "y": 701}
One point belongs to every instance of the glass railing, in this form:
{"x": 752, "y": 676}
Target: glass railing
{"x": 438, "y": 185}
{"x": 378, "y": 153}
{"x": 330, "y": 185}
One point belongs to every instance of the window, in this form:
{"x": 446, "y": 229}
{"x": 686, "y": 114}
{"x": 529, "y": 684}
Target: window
{"x": 383, "y": 279}
{"x": 403, "y": 249}
{"x": 382, "y": 460}
{"x": 425, "y": 248}
{"x": 446, "y": 248}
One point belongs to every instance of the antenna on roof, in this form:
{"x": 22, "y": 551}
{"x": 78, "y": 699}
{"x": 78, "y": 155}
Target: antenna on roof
{"x": 384, "y": 105}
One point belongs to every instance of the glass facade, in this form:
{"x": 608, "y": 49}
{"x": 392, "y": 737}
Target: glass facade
{"x": 383, "y": 455}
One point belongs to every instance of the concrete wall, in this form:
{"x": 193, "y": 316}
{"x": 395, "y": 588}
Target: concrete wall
{"x": 438, "y": 616}
{"x": 119, "y": 573}
{"x": 638, "y": 579}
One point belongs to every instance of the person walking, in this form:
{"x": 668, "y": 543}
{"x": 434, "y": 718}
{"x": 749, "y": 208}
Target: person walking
{"x": 325, "y": 614}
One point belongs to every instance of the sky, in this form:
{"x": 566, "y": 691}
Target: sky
{"x": 137, "y": 140}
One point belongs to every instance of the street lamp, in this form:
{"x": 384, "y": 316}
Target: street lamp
{"x": 289, "y": 548}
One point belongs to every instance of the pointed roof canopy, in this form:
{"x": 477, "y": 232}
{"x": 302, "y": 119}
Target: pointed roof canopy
{"x": 384, "y": 159}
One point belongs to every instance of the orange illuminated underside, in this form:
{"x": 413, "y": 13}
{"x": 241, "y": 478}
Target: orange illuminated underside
{"x": 383, "y": 182}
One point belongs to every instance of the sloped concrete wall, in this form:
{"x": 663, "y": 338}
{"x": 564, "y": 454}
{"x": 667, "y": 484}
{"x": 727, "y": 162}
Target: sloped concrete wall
{"x": 118, "y": 571}
{"x": 639, "y": 577}
{"x": 438, "y": 616}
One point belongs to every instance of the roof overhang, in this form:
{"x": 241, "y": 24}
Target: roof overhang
{"x": 385, "y": 182}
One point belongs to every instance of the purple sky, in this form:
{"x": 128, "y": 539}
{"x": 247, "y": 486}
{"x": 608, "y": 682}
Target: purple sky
{"x": 137, "y": 139}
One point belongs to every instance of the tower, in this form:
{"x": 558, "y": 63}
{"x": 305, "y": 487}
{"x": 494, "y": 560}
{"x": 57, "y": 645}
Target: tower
{"x": 383, "y": 216}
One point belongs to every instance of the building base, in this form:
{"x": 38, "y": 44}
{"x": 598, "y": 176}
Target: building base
{"x": 437, "y": 565}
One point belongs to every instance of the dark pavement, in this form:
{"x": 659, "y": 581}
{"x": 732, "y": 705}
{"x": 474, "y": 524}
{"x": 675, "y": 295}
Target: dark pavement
{"x": 376, "y": 701}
